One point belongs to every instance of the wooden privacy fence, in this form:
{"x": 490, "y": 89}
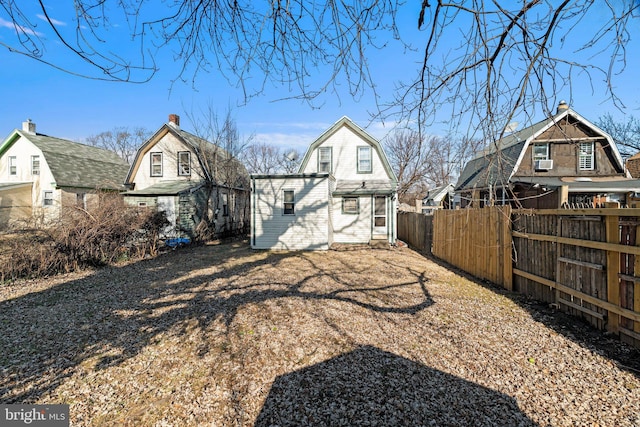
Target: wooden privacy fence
{"x": 584, "y": 261}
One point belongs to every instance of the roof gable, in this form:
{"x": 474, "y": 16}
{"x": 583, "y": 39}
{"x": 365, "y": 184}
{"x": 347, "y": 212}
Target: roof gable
{"x": 199, "y": 146}
{"x": 347, "y": 122}
{"x": 498, "y": 163}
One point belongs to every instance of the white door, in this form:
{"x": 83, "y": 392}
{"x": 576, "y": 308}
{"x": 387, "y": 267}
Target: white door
{"x": 379, "y": 216}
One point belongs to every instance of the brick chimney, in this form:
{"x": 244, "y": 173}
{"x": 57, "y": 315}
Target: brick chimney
{"x": 562, "y": 106}
{"x": 29, "y": 127}
{"x": 174, "y": 120}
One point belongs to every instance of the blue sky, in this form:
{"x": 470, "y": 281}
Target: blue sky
{"x": 71, "y": 107}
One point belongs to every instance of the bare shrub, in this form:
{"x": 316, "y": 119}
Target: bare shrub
{"x": 109, "y": 232}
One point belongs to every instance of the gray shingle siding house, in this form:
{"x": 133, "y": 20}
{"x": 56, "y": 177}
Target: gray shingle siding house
{"x": 41, "y": 174}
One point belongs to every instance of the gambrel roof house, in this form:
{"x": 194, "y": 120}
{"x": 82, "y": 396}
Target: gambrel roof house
{"x": 344, "y": 192}
{"x": 564, "y": 160}
{"x": 39, "y": 174}
{"x": 183, "y": 174}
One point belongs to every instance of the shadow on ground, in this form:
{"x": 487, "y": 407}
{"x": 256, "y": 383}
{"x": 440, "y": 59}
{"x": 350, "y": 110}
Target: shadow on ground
{"x": 371, "y": 387}
{"x": 111, "y": 315}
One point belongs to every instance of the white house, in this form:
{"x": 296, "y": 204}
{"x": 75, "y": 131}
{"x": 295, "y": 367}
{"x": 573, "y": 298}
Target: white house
{"x": 188, "y": 178}
{"x": 41, "y": 174}
{"x": 344, "y": 192}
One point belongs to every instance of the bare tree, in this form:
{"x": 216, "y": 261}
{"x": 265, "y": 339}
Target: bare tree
{"x": 262, "y": 158}
{"x": 219, "y": 145}
{"x": 485, "y": 62}
{"x": 422, "y": 163}
{"x": 121, "y": 140}
{"x": 625, "y": 134}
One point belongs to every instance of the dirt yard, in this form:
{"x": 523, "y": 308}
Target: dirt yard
{"x": 221, "y": 335}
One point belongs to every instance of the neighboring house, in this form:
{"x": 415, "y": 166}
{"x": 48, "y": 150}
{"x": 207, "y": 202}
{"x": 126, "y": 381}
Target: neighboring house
{"x": 633, "y": 165}
{"x": 564, "y": 160}
{"x": 344, "y": 192}
{"x": 438, "y": 198}
{"x": 189, "y": 178}
{"x": 40, "y": 174}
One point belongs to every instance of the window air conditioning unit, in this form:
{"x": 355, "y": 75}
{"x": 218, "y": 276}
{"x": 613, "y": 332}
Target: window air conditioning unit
{"x": 544, "y": 165}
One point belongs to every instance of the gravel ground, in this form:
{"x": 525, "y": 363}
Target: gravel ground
{"x": 225, "y": 336}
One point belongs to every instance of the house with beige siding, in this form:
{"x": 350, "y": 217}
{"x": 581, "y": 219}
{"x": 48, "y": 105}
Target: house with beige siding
{"x": 41, "y": 174}
{"x": 344, "y": 192}
{"x": 190, "y": 179}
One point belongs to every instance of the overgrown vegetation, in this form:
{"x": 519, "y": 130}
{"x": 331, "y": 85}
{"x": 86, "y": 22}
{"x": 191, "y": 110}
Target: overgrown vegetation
{"x": 106, "y": 233}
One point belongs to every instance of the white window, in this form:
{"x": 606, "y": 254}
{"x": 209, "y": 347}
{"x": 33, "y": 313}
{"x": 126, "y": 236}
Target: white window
{"x": 35, "y": 165}
{"x": 13, "y": 167}
{"x": 540, "y": 152}
{"x": 324, "y": 159}
{"x": 184, "y": 163}
{"x": 156, "y": 164}
{"x": 585, "y": 159}
{"x": 364, "y": 159}
{"x": 289, "y": 202}
{"x": 350, "y": 205}
{"x": 47, "y": 199}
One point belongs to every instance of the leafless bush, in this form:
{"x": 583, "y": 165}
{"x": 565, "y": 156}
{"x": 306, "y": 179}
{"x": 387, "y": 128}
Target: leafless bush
{"x": 104, "y": 234}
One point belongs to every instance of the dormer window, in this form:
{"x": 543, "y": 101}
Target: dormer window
{"x": 364, "y": 159}
{"x": 324, "y": 159}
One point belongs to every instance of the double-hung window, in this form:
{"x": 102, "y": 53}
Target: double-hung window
{"x": 13, "y": 165}
{"x": 156, "y": 164}
{"x": 35, "y": 165}
{"x": 47, "y": 199}
{"x": 184, "y": 163}
{"x": 585, "y": 157}
{"x": 289, "y": 202}
{"x": 324, "y": 159}
{"x": 364, "y": 159}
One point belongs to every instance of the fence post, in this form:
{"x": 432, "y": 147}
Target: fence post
{"x": 613, "y": 267}
{"x": 507, "y": 242}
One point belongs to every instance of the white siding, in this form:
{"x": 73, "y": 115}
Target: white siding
{"x": 23, "y": 149}
{"x": 352, "y": 228}
{"x": 169, "y": 146}
{"x": 344, "y": 145}
{"x": 308, "y": 228}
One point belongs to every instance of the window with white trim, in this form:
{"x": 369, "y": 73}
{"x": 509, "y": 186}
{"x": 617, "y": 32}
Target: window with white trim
{"x": 156, "y": 164}
{"x": 540, "y": 152}
{"x": 586, "y": 156}
{"x": 13, "y": 165}
{"x": 225, "y": 204}
{"x": 324, "y": 159}
{"x": 350, "y": 205}
{"x": 289, "y": 202}
{"x": 47, "y": 198}
{"x": 35, "y": 165}
{"x": 364, "y": 159}
{"x": 184, "y": 163}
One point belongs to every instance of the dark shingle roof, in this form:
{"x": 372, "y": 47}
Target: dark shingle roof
{"x": 77, "y": 165}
